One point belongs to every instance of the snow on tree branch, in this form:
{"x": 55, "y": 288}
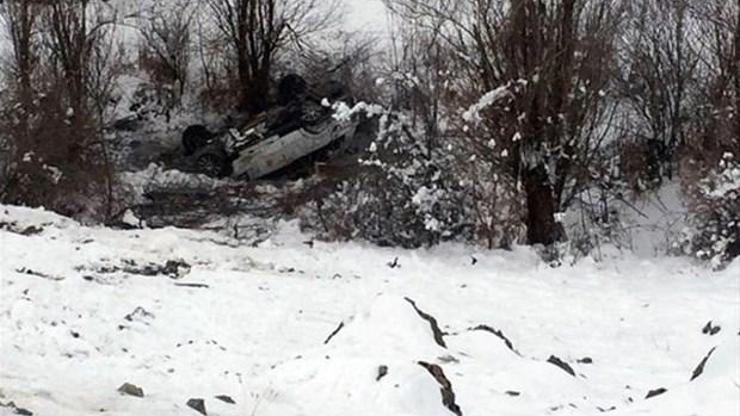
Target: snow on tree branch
{"x": 472, "y": 115}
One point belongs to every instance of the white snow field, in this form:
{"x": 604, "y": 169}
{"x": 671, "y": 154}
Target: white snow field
{"x": 84, "y": 310}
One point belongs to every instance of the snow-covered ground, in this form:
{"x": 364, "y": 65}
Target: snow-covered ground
{"x": 192, "y": 314}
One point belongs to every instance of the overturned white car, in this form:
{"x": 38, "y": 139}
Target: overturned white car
{"x": 299, "y": 126}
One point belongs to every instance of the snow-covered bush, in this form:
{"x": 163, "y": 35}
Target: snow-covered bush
{"x": 405, "y": 194}
{"x": 410, "y": 191}
{"x": 60, "y": 80}
{"x": 716, "y": 213}
{"x": 54, "y": 158}
{"x": 593, "y": 222}
{"x": 145, "y": 101}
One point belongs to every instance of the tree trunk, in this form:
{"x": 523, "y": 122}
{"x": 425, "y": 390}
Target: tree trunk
{"x": 541, "y": 225}
{"x": 736, "y": 69}
{"x": 254, "y": 79}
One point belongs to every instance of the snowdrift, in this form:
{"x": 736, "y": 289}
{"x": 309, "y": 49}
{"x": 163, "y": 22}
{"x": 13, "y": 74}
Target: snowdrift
{"x": 300, "y": 327}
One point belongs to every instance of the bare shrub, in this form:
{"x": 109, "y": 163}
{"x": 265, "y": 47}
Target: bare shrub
{"x": 710, "y": 171}
{"x": 657, "y": 81}
{"x": 555, "y": 61}
{"x": 635, "y": 164}
{"x": 347, "y": 58}
{"x": 165, "y": 50}
{"x": 55, "y": 168}
{"x": 58, "y": 157}
{"x": 251, "y": 33}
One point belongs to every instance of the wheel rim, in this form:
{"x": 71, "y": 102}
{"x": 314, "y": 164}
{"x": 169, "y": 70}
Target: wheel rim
{"x": 211, "y": 165}
{"x": 312, "y": 114}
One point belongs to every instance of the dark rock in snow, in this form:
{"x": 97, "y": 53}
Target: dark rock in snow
{"x": 448, "y": 395}
{"x": 656, "y": 392}
{"x": 131, "y": 390}
{"x": 585, "y": 360}
{"x": 335, "y": 332}
{"x": 446, "y": 359}
{"x": 30, "y": 272}
{"x": 700, "y": 368}
{"x": 438, "y": 334}
{"x": 705, "y": 330}
{"x": 176, "y": 268}
{"x": 199, "y": 405}
{"x": 139, "y": 314}
{"x": 226, "y": 399}
{"x": 512, "y": 393}
{"x": 562, "y": 364}
{"x": 497, "y": 333}
{"x": 382, "y": 372}
{"x": 710, "y": 330}
{"x": 14, "y": 228}
{"x": 31, "y": 230}
{"x": 16, "y": 410}
{"x": 193, "y": 285}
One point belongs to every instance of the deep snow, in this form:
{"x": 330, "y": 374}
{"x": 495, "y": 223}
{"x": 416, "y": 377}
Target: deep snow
{"x": 257, "y": 332}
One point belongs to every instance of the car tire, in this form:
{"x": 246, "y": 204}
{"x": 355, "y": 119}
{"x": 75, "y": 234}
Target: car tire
{"x": 312, "y": 114}
{"x": 195, "y": 137}
{"x": 213, "y": 161}
{"x": 291, "y": 87}
{"x": 336, "y": 90}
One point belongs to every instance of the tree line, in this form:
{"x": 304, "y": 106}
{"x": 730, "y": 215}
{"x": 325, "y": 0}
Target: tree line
{"x": 497, "y": 116}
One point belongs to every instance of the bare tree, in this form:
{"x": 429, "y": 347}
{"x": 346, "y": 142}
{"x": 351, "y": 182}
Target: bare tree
{"x": 719, "y": 100}
{"x": 71, "y": 43}
{"x": 62, "y": 61}
{"x": 80, "y": 45}
{"x": 166, "y": 33}
{"x": 710, "y": 155}
{"x": 257, "y": 30}
{"x": 557, "y": 59}
{"x": 659, "y": 63}
{"x": 21, "y": 19}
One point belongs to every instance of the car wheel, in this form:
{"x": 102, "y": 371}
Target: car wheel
{"x": 290, "y": 88}
{"x": 212, "y": 161}
{"x": 195, "y": 137}
{"x": 336, "y": 90}
{"x": 312, "y": 113}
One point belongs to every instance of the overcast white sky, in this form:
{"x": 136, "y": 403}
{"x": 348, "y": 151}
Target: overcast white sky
{"x": 365, "y": 15}
{"x": 368, "y": 15}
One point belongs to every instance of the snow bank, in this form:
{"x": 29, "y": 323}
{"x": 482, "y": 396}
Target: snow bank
{"x": 344, "y": 375}
{"x": 193, "y": 314}
{"x": 157, "y": 177}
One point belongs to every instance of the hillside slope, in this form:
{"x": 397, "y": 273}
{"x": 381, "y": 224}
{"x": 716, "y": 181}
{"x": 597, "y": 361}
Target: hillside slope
{"x": 193, "y": 315}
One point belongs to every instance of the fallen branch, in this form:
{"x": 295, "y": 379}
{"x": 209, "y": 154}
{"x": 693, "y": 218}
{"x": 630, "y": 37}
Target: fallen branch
{"x": 448, "y": 395}
{"x": 336, "y": 331}
{"x": 438, "y": 334}
{"x": 499, "y": 334}
{"x": 196, "y": 285}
